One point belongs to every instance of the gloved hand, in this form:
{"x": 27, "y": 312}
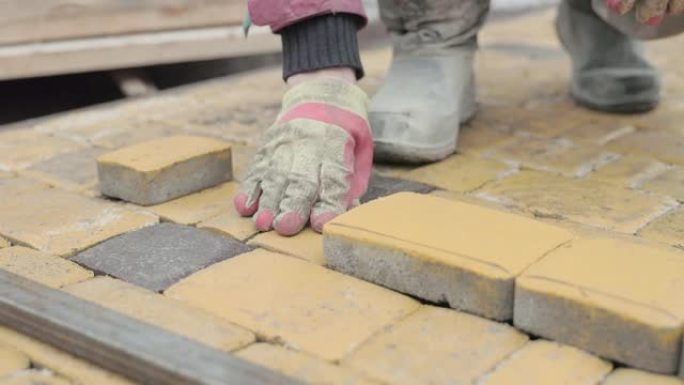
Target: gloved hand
{"x": 650, "y": 12}
{"x": 314, "y": 162}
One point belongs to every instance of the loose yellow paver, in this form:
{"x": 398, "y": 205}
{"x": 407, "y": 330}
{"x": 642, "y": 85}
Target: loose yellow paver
{"x": 664, "y": 146}
{"x": 230, "y": 223}
{"x": 590, "y": 202}
{"x": 557, "y": 155}
{"x": 47, "y": 269}
{"x": 436, "y": 346}
{"x": 11, "y": 360}
{"x": 294, "y": 302}
{"x": 670, "y": 183}
{"x": 34, "y": 377}
{"x": 440, "y": 250}
{"x": 60, "y": 222}
{"x": 307, "y": 245}
{"x": 310, "y": 370}
{"x": 548, "y": 363}
{"x": 161, "y": 170}
{"x": 460, "y": 173}
{"x": 619, "y": 299}
{"x": 194, "y": 208}
{"x": 21, "y": 148}
{"x": 638, "y": 377}
{"x": 628, "y": 171}
{"x": 47, "y": 356}
{"x": 163, "y": 312}
{"x": 668, "y": 229}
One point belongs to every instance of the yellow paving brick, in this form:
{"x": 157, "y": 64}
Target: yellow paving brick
{"x": 436, "y": 346}
{"x": 458, "y": 253}
{"x": 59, "y": 222}
{"x": 670, "y": 183}
{"x": 666, "y": 147}
{"x": 46, "y": 356}
{"x": 294, "y": 302}
{"x": 548, "y": 363}
{"x": 557, "y": 155}
{"x": 638, "y": 377}
{"x": 21, "y": 148}
{"x": 163, "y": 312}
{"x": 4, "y": 243}
{"x": 599, "y": 133}
{"x": 161, "y": 170}
{"x": 615, "y": 298}
{"x": 307, "y": 245}
{"x": 194, "y": 208}
{"x": 480, "y": 135}
{"x": 230, "y": 223}
{"x": 41, "y": 267}
{"x": 628, "y": 171}
{"x": 460, "y": 173}
{"x": 668, "y": 229}
{"x": 590, "y": 202}
{"x": 11, "y": 360}
{"x": 309, "y": 369}
{"x": 34, "y": 377}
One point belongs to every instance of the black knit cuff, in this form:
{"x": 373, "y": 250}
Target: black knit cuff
{"x": 321, "y": 42}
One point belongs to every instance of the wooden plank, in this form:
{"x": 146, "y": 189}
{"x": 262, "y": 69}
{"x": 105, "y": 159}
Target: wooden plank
{"x": 35, "y": 21}
{"x": 107, "y": 53}
{"x": 122, "y": 345}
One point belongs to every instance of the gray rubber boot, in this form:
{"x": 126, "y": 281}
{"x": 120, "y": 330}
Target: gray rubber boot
{"x": 609, "y": 70}
{"x": 430, "y": 87}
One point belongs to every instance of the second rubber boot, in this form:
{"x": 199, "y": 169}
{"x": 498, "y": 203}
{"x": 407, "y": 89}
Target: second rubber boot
{"x": 609, "y": 70}
{"x": 430, "y": 87}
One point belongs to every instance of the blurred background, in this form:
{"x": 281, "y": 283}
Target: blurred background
{"x": 57, "y": 55}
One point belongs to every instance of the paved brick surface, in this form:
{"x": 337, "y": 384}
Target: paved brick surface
{"x": 59, "y": 222}
{"x": 668, "y": 229}
{"x": 670, "y": 182}
{"x": 161, "y": 170}
{"x": 230, "y": 223}
{"x": 381, "y": 186}
{"x": 618, "y": 299}
{"x": 548, "y": 363}
{"x": 307, "y": 245}
{"x": 34, "y": 377}
{"x": 194, "y": 208}
{"x": 4, "y": 243}
{"x": 293, "y": 302}
{"x": 156, "y": 257}
{"x": 309, "y": 369}
{"x": 41, "y": 267}
{"x": 162, "y": 311}
{"x": 12, "y": 360}
{"x": 46, "y": 356}
{"x": 638, "y": 377}
{"x": 75, "y": 171}
{"x": 440, "y": 250}
{"x": 462, "y": 346}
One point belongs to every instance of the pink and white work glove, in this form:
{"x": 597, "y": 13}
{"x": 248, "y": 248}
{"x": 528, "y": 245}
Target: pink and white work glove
{"x": 650, "y": 12}
{"x": 314, "y": 162}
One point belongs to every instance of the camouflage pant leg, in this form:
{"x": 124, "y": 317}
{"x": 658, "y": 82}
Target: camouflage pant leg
{"x": 436, "y": 23}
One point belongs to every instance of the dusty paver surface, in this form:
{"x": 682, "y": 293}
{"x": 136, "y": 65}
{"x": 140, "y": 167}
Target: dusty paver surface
{"x": 610, "y": 185}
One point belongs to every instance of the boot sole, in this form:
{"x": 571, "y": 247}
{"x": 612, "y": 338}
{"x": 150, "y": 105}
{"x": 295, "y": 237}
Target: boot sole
{"x": 634, "y": 106}
{"x": 408, "y": 154}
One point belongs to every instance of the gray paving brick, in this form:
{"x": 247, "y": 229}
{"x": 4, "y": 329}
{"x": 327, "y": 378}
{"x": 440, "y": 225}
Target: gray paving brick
{"x": 157, "y": 257}
{"x": 381, "y": 186}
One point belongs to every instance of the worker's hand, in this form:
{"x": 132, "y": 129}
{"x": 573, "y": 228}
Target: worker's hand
{"x": 314, "y": 162}
{"x": 649, "y": 12}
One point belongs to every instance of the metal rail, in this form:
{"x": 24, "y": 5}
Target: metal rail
{"x": 136, "y": 350}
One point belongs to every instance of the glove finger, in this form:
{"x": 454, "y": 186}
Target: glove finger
{"x": 336, "y": 177}
{"x": 621, "y": 6}
{"x": 246, "y": 201}
{"x": 676, "y": 7}
{"x": 273, "y": 187}
{"x": 651, "y": 12}
{"x": 302, "y": 189}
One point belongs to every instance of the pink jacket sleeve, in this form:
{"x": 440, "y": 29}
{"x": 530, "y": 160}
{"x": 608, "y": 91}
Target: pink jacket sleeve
{"x": 280, "y": 13}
